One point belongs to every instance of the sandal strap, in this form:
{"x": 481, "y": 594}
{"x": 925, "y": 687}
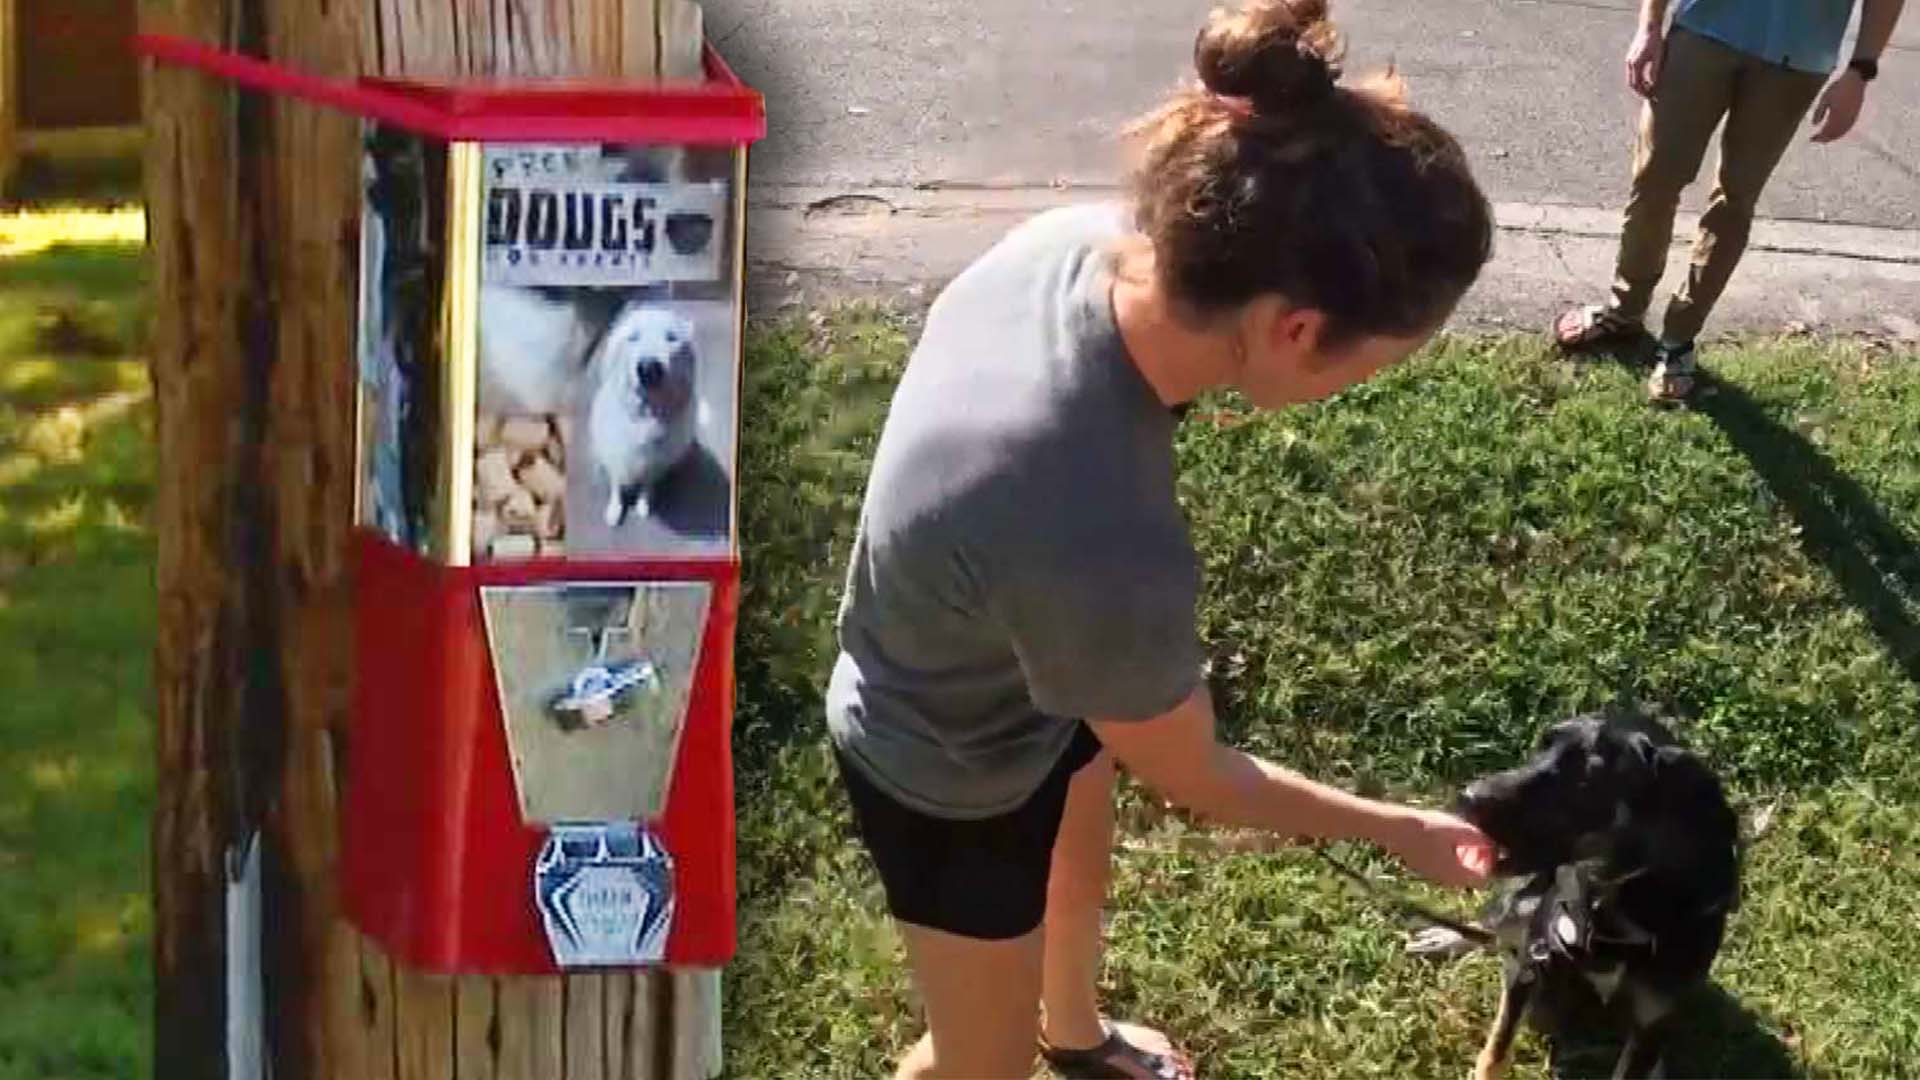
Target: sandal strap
{"x": 1679, "y": 361}
{"x": 1114, "y": 1059}
{"x": 1596, "y": 323}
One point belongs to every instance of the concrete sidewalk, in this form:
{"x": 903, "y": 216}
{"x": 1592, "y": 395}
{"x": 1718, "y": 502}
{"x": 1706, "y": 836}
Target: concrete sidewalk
{"x": 901, "y": 146}
{"x": 805, "y": 243}
{"x": 1015, "y": 93}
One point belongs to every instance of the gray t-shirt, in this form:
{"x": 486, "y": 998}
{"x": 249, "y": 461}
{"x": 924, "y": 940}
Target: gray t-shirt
{"x": 1021, "y": 562}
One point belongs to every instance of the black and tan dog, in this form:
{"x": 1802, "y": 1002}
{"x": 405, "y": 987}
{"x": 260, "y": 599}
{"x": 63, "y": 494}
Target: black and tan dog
{"x": 1624, "y": 864}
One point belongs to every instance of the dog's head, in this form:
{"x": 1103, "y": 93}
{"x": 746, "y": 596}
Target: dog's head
{"x": 1589, "y": 778}
{"x": 647, "y": 359}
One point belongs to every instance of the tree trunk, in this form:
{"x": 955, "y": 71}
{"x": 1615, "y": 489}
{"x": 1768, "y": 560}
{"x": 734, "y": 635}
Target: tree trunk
{"x": 253, "y": 221}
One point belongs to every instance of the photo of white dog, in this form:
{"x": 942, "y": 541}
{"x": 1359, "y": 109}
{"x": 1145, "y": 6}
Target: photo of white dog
{"x": 645, "y": 410}
{"x": 653, "y": 472}
{"x": 533, "y": 351}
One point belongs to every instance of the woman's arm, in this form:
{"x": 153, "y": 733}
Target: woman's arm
{"x": 1177, "y": 755}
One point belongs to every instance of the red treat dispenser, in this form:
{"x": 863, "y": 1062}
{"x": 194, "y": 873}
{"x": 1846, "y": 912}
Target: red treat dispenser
{"x": 547, "y": 560}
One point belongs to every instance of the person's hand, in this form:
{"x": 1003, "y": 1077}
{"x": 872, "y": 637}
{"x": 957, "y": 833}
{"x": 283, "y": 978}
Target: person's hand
{"x": 1643, "y": 60}
{"x": 1444, "y": 849}
{"x": 1839, "y": 107}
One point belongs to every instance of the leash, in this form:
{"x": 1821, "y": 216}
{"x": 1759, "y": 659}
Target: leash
{"x": 1478, "y": 935}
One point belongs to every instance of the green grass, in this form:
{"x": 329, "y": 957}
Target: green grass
{"x": 76, "y": 633}
{"x": 1402, "y": 585}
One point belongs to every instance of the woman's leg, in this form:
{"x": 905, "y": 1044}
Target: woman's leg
{"x": 1076, "y": 895}
{"x": 982, "y": 1005}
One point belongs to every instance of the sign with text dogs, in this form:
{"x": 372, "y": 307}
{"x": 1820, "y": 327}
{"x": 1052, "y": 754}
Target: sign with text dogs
{"x": 571, "y": 216}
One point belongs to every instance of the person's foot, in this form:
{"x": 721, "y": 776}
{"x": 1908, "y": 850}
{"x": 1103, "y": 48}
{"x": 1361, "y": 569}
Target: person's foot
{"x": 1439, "y": 943}
{"x": 1674, "y": 373}
{"x": 1129, "y": 1050}
{"x": 1591, "y": 327}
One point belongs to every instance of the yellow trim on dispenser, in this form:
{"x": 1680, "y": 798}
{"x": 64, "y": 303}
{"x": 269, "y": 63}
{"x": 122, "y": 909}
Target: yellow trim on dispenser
{"x": 462, "y": 339}
{"x": 739, "y": 337}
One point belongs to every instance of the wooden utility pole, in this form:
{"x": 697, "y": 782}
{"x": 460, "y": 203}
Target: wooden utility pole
{"x": 9, "y": 94}
{"x": 253, "y": 226}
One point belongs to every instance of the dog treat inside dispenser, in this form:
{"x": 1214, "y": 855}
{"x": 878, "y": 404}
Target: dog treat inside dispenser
{"x": 519, "y": 487}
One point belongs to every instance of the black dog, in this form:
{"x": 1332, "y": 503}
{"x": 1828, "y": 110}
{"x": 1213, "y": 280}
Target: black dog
{"x": 1626, "y": 865}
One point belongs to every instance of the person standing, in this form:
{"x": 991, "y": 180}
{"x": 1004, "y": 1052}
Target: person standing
{"x": 1759, "y": 65}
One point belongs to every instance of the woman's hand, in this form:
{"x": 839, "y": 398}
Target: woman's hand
{"x": 1442, "y": 848}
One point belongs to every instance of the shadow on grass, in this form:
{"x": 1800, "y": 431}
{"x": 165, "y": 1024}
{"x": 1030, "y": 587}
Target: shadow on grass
{"x": 105, "y": 180}
{"x": 1713, "y": 1035}
{"x": 1842, "y": 527}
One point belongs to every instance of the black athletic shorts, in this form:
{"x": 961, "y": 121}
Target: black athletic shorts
{"x": 984, "y": 878}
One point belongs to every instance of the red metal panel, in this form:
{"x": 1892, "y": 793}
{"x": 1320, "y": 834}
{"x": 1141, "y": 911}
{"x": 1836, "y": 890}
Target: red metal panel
{"x": 720, "y": 111}
{"x": 435, "y": 862}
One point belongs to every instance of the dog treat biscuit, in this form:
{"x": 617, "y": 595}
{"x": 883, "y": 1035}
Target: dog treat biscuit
{"x": 520, "y": 484}
{"x": 524, "y": 433}
{"x": 542, "y": 479}
{"x": 520, "y": 512}
{"x": 486, "y": 526}
{"x": 514, "y": 546}
{"x": 493, "y": 478}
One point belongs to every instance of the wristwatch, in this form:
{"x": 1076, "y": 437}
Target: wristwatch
{"x": 1868, "y": 68}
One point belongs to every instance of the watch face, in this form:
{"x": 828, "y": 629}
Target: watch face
{"x": 1868, "y": 69}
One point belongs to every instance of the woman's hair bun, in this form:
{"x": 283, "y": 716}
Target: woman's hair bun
{"x": 1281, "y": 55}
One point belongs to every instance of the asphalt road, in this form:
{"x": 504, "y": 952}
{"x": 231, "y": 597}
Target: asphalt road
{"x": 1017, "y": 93}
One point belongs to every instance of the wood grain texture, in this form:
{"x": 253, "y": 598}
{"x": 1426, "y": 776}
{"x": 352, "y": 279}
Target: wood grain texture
{"x": 682, "y": 34}
{"x": 538, "y": 39}
{"x": 586, "y": 1027}
{"x": 345, "y": 1026}
{"x": 617, "y": 1014}
{"x": 9, "y": 92}
{"x": 378, "y": 1020}
{"x": 531, "y": 1032}
{"x": 423, "y": 1026}
{"x": 696, "y": 1008}
{"x": 476, "y": 1028}
{"x": 197, "y": 358}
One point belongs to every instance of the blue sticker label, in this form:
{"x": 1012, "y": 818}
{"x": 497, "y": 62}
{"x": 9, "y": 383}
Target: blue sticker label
{"x": 605, "y": 893}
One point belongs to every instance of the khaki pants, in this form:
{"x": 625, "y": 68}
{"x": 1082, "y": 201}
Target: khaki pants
{"x": 1702, "y": 81}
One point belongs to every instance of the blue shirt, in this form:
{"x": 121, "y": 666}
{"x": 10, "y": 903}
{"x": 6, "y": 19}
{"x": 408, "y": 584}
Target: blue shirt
{"x": 1804, "y": 35}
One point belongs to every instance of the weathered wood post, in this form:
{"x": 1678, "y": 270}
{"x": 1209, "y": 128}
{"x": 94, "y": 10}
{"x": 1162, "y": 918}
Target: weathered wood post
{"x": 9, "y": 93}
{"x": 253, "y": 208}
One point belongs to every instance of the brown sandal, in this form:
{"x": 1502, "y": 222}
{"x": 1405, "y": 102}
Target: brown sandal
{"x": 1592, "y": 326}
{"x": 1675, "y": 375}
{"x": 1114, "y": 1059}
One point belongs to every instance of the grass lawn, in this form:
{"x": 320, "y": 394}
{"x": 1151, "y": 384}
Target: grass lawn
{"x": 76, "y": 639}
{"x": 1402, "y": 585}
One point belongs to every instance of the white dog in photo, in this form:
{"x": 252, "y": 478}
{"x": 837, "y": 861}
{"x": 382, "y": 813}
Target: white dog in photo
{"x": 645, "y": 410}
{"x": 531, "y": 350}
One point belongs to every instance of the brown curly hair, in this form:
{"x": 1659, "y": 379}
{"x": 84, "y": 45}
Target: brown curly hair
{"x": 1270, "y": 176}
